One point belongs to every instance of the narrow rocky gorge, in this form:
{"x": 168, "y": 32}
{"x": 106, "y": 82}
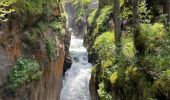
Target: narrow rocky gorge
{"x": 84, "y": 50}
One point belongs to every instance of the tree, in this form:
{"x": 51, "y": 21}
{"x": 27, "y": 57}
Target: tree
{"x": 166, "y": 8}
{"x": 117, "y": 20}
{"x": 135, "y": 10}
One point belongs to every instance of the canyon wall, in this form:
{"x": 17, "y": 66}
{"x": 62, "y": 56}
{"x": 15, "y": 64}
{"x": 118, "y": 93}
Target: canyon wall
{"x": 13, "y": 45}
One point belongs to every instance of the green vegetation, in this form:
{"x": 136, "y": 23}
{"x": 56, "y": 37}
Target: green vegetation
{"x": 36, "y": 33}
{"x": 86, "y": 2}
{"x": 104, "y": 47}
{"x": 34, "y": 7}
{"x": 102, "y": 92}
{"x": 140, "y": 71}
{"x": 27, "y": 10}
{"x": 58, "y": 26}
{"x": 98, "y": 23}
{"x": 3, "y": 9}
{"x": 149, "y": 33}
{"x": 39, "y": 22}
{"x": 99, "y": 20}
{"x": 24, "y": 71}
{"x": 50, "y": 47}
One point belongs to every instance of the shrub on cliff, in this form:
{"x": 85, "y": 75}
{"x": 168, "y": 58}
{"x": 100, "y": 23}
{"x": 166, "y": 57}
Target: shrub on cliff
{"x": 27, "y": 11}
{"x": 25, "y": 70}
{"x": 34, "y": 7}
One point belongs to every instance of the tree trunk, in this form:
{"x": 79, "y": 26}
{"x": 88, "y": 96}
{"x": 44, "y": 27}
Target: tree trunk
{"x": 155, "y": 8}
{"x": 166, "y": 9}
{"x": 117, "y": 20}
{"x": 135, "y": 11}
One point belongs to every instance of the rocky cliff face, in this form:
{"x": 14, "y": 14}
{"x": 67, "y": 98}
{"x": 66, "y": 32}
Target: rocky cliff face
{"x": 13, "y": 46}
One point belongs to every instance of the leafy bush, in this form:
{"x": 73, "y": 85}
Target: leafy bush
{"x": 150, "y": 34}
{"x": 162, "y": 85}
{"x": 157, "y": 49}
{"x": 104, "y": 47}
{"x": 103, "y": 19}
{"x": 102, "y": 92}
{"x": 25, "y": 70}
{"x": 4, "y": 4}
{"x": 144, "y": 13}
{"x": 128, "y": 51}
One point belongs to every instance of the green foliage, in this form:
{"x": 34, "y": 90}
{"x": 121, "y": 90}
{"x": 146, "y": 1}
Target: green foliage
{"x": 86, "y": 2}
{"x": 102, "y": 92}
{"x": 103, "y": 19}
{"x": 104, "y": 47}
{"x": 133, "y": 77}
{"x": 92, "y": 17}
{"x": 100, "y": 23}
{"x": 126, "y": 12}
{"x": 34, "y": 7}
{"x": 122, "y": 2}
{"x": 58, "y": 27}
{"x": 34, "y": 33}
{"x": 25, "y": 70}
{"x": 144, "y": 13}
{"x": 128, "y": 51}
{"x": 156, "y": 59}
{"x": 5, "y": 9}
{"x": 149, "y": 33}
{"x": 27, "y": 8}
{"x": 50, "y": 47}
{"x": 114, "y": 78}
{"x": 162, "y": 85}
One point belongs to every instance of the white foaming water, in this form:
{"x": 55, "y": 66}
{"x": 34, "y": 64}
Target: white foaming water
{"x": 76, "y": 79}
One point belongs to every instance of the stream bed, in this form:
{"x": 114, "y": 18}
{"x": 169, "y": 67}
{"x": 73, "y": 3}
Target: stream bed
{"x": 76, "y": 79}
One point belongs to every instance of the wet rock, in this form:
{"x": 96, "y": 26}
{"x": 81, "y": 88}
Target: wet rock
{"x": 68, "y": 60}
{"x": 76, "y": 59}
{"x": 67, "y": 63}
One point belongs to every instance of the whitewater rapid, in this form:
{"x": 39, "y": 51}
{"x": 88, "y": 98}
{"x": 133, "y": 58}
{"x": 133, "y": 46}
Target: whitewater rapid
{"x": 76, "y": 79}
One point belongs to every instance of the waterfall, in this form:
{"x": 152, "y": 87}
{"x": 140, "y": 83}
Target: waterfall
{"x": 76, "y": 79}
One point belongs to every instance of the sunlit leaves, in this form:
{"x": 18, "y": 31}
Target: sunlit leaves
{"x": 5, "y": 9}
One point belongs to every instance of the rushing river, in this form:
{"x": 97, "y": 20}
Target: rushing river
{"x": 76, "y": 79}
